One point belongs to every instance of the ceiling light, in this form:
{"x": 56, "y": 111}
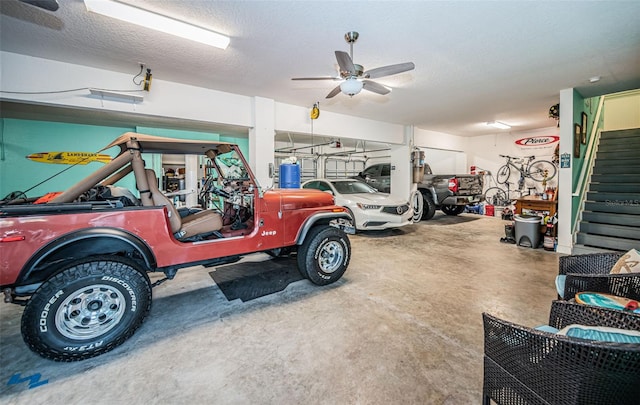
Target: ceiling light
{"x": 498, "y": 124}
{"x": 594, "y": 79}
{"x": 138, "y": 16}
{"x": 351, "y": 86}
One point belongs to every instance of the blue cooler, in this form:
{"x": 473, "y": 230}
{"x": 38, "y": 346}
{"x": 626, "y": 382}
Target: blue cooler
{"x": 289, "y": 176}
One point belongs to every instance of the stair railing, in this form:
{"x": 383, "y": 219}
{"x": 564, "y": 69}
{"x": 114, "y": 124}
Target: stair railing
{"x": 587, "y": 167}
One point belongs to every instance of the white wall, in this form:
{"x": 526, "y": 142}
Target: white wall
{"x": 622, "y": 111}
{"x": 290, "y": 118}
{"x": 443, "y": 152}
{"x": 166, "y": 99}
{"x": 484, "y": 151}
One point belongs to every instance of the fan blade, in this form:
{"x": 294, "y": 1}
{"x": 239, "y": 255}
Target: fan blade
{"x": 51, "y": 5}
{"x": 389, "y": 70}
{"x": 375, "y": 87}
{"x": 317, "y": 78}
{"x": 345, "y": 63}
{"x": 333, "y": 92}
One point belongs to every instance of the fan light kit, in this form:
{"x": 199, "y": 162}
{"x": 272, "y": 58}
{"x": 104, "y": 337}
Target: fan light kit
{"x": 144, "y": 18}
{"x": 351, "y": 86}
{"x": 498, "y": 124}
{"x": 355, "y": 76}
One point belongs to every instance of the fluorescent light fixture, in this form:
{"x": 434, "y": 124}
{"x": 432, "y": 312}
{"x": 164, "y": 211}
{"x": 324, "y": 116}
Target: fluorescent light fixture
{"x": 117, "y": 96}
{"x": 138, "y": 16}
{"x": 498, "y": 124}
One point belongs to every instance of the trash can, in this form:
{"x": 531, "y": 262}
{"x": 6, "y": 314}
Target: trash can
{"x": 527, "y": 230}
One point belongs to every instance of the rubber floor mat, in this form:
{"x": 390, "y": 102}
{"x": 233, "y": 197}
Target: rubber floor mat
{"x": 252, "y": 280}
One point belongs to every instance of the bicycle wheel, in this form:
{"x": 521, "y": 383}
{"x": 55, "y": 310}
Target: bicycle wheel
{"x": 539, "y": 168}
{"x": 503, "y": 174}
{"x": 495, "y": 196}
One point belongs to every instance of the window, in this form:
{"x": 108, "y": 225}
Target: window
{"x": 322, "y": 186}
{"x": 386, "y": 170}
{"x": 371, "y": 171}
{"x": 311, "y": 184}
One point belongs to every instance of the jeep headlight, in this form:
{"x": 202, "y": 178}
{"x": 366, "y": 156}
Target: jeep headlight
{"x": 368, "y": 206}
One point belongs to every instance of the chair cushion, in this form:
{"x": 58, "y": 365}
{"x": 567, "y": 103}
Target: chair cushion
{"x": 547, "y": 328}
{"x": 607, "y": 301}
{"x": 560, "y": 280}
{"x": 601, "y": 333}
{"x": 628, "y": 263}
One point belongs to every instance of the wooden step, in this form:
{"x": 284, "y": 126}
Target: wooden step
{"x": 618, "y": 169}
{"x": 615, "y": 162}
{"x": 611, "y": 218}
{"x": 619, "y": 144}
{"x": 614, "y": 178}
{"x": 622, "y": 133}
{"x": 614, "y": 197}
{"x": 614, "y": 207}
{"x": 618, "y": 231}
{"x": 615, "y": 187}
{"x": 607, "y": 242}
{"x": 618, "y": 154}
{"x": 579, "y": 249}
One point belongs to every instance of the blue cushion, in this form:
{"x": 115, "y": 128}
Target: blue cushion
{"x": 547, "y": 328}
{"x": 560, "y": 279}
{"x": 601, "y": 333}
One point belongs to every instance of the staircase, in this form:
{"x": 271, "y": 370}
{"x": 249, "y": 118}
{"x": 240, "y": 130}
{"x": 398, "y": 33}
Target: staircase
{"x": 611, "y": 216}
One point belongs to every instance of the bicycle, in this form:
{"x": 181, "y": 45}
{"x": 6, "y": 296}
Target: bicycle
{"x": 536, "y": 170}
{"x": 497, "y": 196}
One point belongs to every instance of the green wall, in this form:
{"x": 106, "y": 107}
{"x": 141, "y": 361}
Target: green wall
{"x": 589, "y": 106}
{"x": 19, "y": 138}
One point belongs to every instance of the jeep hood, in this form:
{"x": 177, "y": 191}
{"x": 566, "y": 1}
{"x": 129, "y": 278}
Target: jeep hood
{"x": 292, "y": 199}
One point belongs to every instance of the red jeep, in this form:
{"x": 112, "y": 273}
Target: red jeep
{"x": 78, "y": 260}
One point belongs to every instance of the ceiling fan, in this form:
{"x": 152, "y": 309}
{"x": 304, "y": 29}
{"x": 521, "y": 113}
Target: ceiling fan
{"x": 355, "y": 77}
{"x": 51, "y": 5}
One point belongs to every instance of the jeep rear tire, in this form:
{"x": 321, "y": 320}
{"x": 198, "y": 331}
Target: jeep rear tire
{"x": 324, "y": 255}
{"x": 452, "y": 209}
{"x": 90, "y": 307}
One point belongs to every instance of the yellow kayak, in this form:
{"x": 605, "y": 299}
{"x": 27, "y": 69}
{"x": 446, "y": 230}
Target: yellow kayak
{"x": 69, "y": 158}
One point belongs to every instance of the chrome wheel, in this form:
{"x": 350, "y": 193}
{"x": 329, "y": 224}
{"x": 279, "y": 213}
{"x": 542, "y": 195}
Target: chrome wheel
{"x": 330, "y": 257}
{"x": 90, "y": 312}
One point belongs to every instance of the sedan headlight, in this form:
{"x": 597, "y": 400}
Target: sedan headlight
{"x": 368, "y": 206}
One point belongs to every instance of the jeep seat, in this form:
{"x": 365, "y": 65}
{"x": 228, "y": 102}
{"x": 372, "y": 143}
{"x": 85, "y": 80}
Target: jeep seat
{"x": 202, "y": 222}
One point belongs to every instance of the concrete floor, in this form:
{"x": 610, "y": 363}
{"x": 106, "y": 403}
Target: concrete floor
{"x": 403, "y": 326}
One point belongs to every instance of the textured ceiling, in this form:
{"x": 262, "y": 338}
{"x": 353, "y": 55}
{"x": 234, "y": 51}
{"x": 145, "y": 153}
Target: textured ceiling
{"x": 475, "y": 61}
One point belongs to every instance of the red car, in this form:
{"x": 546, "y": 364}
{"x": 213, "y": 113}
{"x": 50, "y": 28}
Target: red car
{"x": 78, "y": 260}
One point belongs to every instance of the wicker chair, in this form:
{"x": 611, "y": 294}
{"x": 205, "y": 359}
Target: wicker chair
{"x": 527, "y": 366}
{"x": 590, "y": 272}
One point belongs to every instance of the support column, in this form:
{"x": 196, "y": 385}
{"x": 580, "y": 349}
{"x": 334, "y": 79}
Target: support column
{"x": 262, "y": 139}
{"x": 565, "y": 178}
{"x": 401, "y": 171}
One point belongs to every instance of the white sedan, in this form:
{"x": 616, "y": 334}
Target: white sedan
{"x": 370, "y": 209}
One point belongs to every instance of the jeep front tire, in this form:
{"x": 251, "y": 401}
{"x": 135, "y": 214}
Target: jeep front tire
{"x": 90, "y": 307}
{"x": 324, "y": 255}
